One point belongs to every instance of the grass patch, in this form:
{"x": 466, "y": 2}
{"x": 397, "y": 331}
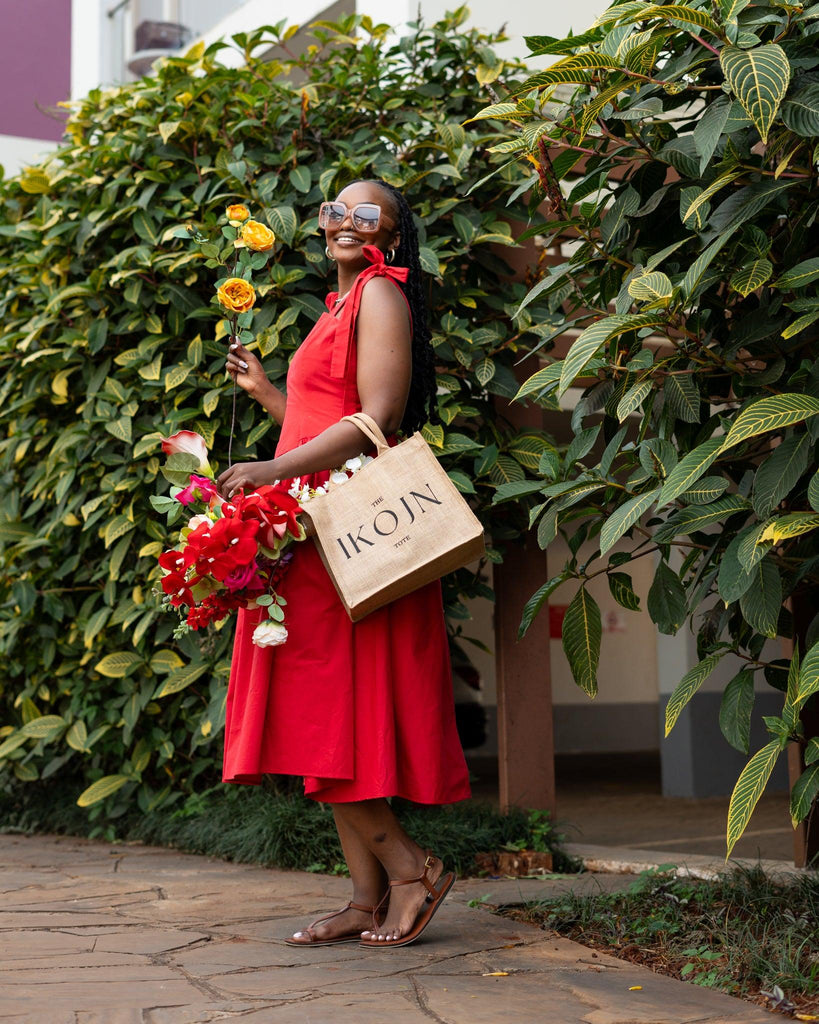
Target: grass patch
{"x": 276, "y": 827}
{"x": 744, "y": 934}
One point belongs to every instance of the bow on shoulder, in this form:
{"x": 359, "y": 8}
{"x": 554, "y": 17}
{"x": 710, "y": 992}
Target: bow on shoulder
{"x": 346, "y": 329}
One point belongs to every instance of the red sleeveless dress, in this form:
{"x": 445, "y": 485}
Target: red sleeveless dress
{"x": 361, "y": 710}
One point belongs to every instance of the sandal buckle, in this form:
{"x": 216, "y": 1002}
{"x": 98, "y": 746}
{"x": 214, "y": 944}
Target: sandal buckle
{"x": 429, "y": 862}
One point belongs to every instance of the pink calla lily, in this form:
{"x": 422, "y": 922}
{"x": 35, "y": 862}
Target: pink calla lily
{"x": 188, "y": 442}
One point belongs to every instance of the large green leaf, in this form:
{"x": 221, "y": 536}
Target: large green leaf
{"x": 687, "y": 687}
{"x": 770, "y": 413}
{"x": 666, "y": 600}
{"x": 699, "y": 517}
{"x": 101, "y": 789}
{"x": 759, "y": 79}
{"x": 682, "y": 396}
{"x": 808, "y": 675}
{"x": 652, "y": 287}
{"x": 622, "y": 590}
{"x": 582, "y": 633}
{"x": 733, "y": 579}
{"x": 799, "y": 276}
{"x": 804, "y": 793}
{"x": 689, "y": 17}
{"x": 536, "y": 602}
{"x": 800, "y": 111}
{"x": 633, "y": 398}
{"x": 751, "y": 277}
{"x": 118, "y": 664}
{"x": 623, "y": 518}
{"x": 778, "y": 474}
{"x": 585, "y": 348}
{"x": 750, "y": 785}
{"x": 736, "y": 709}
{"x": 762, "y": 601}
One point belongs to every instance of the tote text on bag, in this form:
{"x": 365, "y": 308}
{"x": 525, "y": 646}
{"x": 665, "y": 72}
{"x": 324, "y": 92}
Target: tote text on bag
{"x": 396, "y": 525}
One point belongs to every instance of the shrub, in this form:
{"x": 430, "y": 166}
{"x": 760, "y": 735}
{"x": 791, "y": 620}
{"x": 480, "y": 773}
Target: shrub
{"x": 676, "y": 145}
{"x": 107, "y": 343}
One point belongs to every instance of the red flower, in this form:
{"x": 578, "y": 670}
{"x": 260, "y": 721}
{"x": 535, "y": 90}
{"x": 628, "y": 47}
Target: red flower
{"x": 217, "y": 549}
{"x": 172, "y": 561}
{"x": 178, "y": 588}
{"x": 275, "y": 510}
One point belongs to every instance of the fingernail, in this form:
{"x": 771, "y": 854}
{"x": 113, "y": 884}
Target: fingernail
{"x": 234, "y": 346}
{"x": 243, "y": 364}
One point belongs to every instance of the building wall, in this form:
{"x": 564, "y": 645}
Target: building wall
{"x": 35, "y": 73}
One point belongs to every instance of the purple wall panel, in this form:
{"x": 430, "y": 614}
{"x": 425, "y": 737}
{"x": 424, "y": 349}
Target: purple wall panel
{"x": 35, "y": 65}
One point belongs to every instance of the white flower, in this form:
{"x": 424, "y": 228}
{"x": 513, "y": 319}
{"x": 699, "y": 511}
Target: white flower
{"x": 337, "y": 477}
{"x": 188, "y": 442}
{"x": 366, "y": 460}
{"x": 198, "y": 520}
{"x": 354, "y": 464}
{"x": 269, "y": 634}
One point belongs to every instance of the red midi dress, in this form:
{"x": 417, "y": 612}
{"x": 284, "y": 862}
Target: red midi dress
{"x": 361, "y": 710}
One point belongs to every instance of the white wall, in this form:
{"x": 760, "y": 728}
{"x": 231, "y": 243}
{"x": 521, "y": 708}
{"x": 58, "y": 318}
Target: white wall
{"x": 521, "y": 17}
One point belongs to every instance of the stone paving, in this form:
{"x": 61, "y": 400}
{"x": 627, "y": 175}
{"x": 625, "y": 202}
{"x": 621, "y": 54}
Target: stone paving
{"x": 92, "y": 933}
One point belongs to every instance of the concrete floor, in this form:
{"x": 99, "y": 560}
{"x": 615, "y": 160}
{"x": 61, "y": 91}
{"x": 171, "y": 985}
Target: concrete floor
{"x": 616, "y": 801}
{"x": 92, "y": 933}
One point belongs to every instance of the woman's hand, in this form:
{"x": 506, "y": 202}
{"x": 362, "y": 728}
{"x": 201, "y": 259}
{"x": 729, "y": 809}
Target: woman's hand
{"x": 246, "y": 476}
{"x": 246, "y": 369}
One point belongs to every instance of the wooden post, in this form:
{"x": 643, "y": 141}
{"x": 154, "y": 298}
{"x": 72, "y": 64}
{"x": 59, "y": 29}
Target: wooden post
{"x": 525, "y": 735}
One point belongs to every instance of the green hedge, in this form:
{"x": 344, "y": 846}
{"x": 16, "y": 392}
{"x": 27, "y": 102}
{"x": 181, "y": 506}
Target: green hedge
{"x": 276, "y": 826}
{"x": 107, "y": 342}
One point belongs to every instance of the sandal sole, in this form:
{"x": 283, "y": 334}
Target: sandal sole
{"x": 416, "y": 933}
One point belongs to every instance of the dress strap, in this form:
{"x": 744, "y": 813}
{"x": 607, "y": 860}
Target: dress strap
{"x": 345, "y": 332}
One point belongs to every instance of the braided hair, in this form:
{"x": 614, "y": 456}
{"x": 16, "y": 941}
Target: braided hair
{"x": 421, "y": 403}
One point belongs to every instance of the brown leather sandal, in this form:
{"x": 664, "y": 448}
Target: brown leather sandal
{"x": 313, "y": 940}
{"x": 435, "y": 897}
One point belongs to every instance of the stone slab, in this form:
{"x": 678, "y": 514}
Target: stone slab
{"x": 98, "y": 934}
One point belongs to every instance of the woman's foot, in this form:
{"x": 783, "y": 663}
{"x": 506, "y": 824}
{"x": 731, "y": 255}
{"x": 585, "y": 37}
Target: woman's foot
{"x": 406, "y": 903}
{"x": 343, "y": 926}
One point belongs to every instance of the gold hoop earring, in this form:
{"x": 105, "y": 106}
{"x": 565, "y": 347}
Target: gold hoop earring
{"x": 327, "y": 254}
{"x": 390, "y": 257}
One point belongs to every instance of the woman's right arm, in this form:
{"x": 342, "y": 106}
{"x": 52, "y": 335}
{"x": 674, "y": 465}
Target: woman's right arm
{"x": 249, "y": 374}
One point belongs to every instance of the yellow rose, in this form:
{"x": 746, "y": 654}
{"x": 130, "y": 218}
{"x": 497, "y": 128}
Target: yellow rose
{"x": 257, "y": 236}
{"x": 237, "y": 295}
{"x": 238, "y": 212}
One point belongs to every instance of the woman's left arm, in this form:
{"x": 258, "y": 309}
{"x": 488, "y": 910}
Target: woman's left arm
{"x": 384, "y": 368}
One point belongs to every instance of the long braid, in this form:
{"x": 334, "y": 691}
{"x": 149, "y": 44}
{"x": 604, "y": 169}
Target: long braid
{"x": 421, "y": 403}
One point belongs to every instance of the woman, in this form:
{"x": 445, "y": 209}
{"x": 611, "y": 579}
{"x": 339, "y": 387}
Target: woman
{"x": 363, "y": 711}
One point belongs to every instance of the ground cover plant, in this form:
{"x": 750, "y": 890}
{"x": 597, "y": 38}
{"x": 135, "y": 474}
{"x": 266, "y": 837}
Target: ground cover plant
{"x": 275, "y": 826}
{"x": 675, "y": 155}
{"x": 744, "y": 933}
{"x": 107, "y": 342}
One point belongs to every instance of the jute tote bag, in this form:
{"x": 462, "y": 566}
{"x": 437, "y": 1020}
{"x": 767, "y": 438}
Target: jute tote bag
{"x": 394, "y": 526}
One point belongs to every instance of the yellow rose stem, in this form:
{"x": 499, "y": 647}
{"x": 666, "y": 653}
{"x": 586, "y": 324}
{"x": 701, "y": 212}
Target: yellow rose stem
{"x": 233, "y": 336}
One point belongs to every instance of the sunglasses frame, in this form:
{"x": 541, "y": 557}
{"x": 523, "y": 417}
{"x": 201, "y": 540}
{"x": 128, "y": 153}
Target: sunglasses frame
{"x": 383, "y": 218}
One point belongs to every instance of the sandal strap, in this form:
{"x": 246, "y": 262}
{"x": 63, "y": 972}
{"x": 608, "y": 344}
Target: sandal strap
{"x": 423, "y": 878}
{"x": 337, "y": 913}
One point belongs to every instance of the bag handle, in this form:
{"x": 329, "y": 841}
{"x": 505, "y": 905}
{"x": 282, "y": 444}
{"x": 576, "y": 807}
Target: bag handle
{"x": 370, "y": 429}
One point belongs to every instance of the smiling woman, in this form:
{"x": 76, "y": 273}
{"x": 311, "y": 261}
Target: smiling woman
{"x": 363, "y": 710}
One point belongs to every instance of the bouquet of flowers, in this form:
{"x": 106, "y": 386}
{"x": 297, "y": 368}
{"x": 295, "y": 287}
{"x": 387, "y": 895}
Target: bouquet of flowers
{"x": 231, "y": 554}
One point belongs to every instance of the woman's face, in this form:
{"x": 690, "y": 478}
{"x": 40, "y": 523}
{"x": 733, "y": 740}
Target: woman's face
{"x": 345, "y": 242}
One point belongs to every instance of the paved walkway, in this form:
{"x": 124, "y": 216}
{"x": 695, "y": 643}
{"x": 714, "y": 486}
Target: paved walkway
{"x": 92, "y": 933}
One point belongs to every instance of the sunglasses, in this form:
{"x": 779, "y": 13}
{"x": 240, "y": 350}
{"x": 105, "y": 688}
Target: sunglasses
{"x": 366, "y": 217}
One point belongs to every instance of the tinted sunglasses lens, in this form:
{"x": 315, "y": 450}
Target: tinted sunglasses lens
{"x": 366, "y": 217}
{"x": 331, "y": 214}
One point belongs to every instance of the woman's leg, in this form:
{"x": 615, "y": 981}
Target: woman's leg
{"x": 369, "y": 885}
{"x": 376, "y": 828}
